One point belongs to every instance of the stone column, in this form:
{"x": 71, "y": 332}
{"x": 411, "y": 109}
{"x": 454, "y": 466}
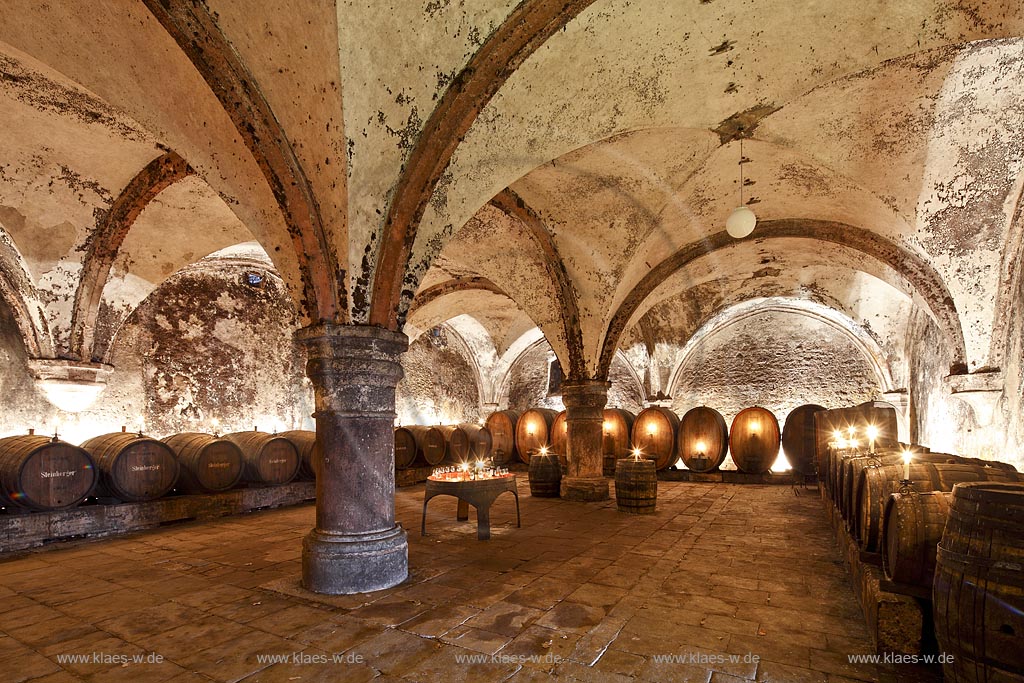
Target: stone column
{"x": 584, "y": 416}
{"x": 356, "y": 546}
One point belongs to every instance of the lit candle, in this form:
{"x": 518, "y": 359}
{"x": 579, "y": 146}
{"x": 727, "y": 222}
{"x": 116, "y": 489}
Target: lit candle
{"x": 543, "y": 450}
{"x": 872, "y": 432}
{"x": 700, "y": 449}
{"x": 607, "y": 426}
{"x": 652, "y": 428}
{"x": 637, "y": 454}
{"x": 852, "y": 430}
{"x": 907, "y": 455}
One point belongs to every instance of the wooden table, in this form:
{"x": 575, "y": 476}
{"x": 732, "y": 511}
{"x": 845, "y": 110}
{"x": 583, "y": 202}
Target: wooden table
{"x": 479, "y": 493}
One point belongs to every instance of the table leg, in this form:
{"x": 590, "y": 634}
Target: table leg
{"x": 483, "y": 523}
{"x": 519, "y": 523}
{"x": 463, "y": 512}
{"x": 423, "y": 524}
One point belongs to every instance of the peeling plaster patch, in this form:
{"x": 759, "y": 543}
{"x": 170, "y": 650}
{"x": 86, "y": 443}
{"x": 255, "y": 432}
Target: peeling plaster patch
{"x": 439, "y": 386}
{"x": 45, "y": 93}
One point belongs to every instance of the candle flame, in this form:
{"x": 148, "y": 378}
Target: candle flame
{"x": 852, "y": 430}
{"x": 543, "y": 450}
{"x": 872, "y": 432}
{"x": 907, "y": 457}
{"x": 701, "y": 447}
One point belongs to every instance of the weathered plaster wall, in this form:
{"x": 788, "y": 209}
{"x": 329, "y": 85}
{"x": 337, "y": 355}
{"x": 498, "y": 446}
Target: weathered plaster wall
{"x": 528, "y": 383}
{"x": 203, "y": 346}
{"x": 440, "y": 385}
{"x": 1011, "y": 407}
{"x": 777, "y": 360}
{"x": 208, "y": 345}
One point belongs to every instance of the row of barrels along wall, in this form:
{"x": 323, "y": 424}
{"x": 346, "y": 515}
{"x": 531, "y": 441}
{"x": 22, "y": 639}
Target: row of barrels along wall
{"x": 957, "y": 528}
{"x": 701, "y": 438}
{"x": 39, "y": 473}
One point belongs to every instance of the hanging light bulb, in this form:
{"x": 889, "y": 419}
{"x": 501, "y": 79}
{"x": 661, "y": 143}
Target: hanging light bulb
{"x": 742, "y": 220}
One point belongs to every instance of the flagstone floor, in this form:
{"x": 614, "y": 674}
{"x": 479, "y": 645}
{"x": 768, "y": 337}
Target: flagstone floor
{"x": 725, "y": 583}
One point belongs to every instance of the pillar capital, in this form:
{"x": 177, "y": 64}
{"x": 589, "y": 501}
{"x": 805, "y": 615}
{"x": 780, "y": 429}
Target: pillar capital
{"x": 587, "y": 393}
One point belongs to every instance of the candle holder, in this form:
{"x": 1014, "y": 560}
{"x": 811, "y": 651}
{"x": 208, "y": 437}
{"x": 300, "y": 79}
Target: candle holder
{"x": 906, "y": 487}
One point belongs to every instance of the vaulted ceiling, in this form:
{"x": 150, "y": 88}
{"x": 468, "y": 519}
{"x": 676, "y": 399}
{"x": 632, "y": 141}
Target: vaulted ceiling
{"x": 564, "y": 165}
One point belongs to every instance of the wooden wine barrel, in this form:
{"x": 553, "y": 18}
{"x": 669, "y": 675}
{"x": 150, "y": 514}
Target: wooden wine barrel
{"x": 39, "y": 473}
{"x": 978, "y": 594}
{"x": 209, "y": 464}
{"x": 545, "y": 476}
{"x": 532, "y": 431}
{"x": 444, "y": 432}
{"x": 304, "y": 441}
{"x": 849, "y": 473}
{"x": 826, "y": 422}
{"x": 881, "y": 482}
{"x": 407, "y": 451}
{"x": 754, "y": 440}
{"x": 132, "y": 467}
{"x": 431, "y": 446}
{"x": 911, "y": 529}
{"x": 502, "y": 427}
{"x": 469, "y": 442}
{"x": 703, "y": 439}
{"x": 636, "y": 486}
{"x": 270, "y": 460}
{"x": 654, "y": 433}
{"x": 618, "y": 424}
{"x": 798, "y": 439}
{"x": 559, "y": 435}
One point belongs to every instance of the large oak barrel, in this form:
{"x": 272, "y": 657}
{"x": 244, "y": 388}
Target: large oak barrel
{"x": 502, "y": 427}
{"x": 978, "y": 594}
{"x": 754, "y": 440}
{"x": 849, "y": 473}
{"x": 532, "y": 431}
{"x": 407, "y": 451}
{"x": 304, "y": 441}
{"x": 209, "y": 464}
{"x": 798, "y": 440}
{"x": 431, "y": 445}
{"x": 132, "y": 467}
{"x": 559, "y": 435}
{"x": 859, "y": 418}
{"x": 654, "y": 433}
{"x": 618, "y": 424}
{"x": 703, "y": 439}
{"x": 636, "y": 486}
{"x": 881, "y": 482}
{"x": 545, "y": 476}
{"x": 469, "y": 442}
{"x": 42, "y": 473}
{"x": 270, "y": 460}
{"x": 911, "y": 529}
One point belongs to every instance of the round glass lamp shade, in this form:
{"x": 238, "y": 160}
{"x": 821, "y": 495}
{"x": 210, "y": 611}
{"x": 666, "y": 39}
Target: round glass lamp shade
{"x": 741, "y": 222}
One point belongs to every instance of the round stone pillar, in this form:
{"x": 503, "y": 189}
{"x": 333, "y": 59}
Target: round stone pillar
{"x": 356, "y": 546}
{"x": 584, "y": 417}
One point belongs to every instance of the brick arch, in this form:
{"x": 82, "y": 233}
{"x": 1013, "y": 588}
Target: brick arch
{"x": 513, "y": 206}
{"x": 19, "y": 293}
{"x": 527, "y": 28}
{"x": 196, "y": 32}
{"x": 106, "y": 240}
{"x": 924, "y": 280}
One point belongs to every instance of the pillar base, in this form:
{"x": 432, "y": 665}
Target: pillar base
{"x": 584, "y": 489}
{"x": 341, "y": 564}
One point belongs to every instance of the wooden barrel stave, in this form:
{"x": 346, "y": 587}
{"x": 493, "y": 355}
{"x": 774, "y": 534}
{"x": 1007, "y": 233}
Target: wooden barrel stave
{"x": 269, "y": 460}
{"x": 881, "y": 482}
{"x": 654, "y": 433}
{"x": 209, "y": 464}
{"x": 754, "y": 440}
{"x": 468, "y": 442}
{"x": 617, "y": 427}
{"x": 304, "y": 441}
{"x": 533, "y": 431}
{"x": 912, "y": 527}
{"x": 636, "y": 486}
{"x": 798, "y": 438}
{"x": 501, "y": 425}
{"x": 132, "y": 467}
{"x": 39, "y": 473}
{"x": 559, "y": 436}
{"x": 978, "y": 593}
{"x": 545, "y": 476}
{"x": 703, "y": 439}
